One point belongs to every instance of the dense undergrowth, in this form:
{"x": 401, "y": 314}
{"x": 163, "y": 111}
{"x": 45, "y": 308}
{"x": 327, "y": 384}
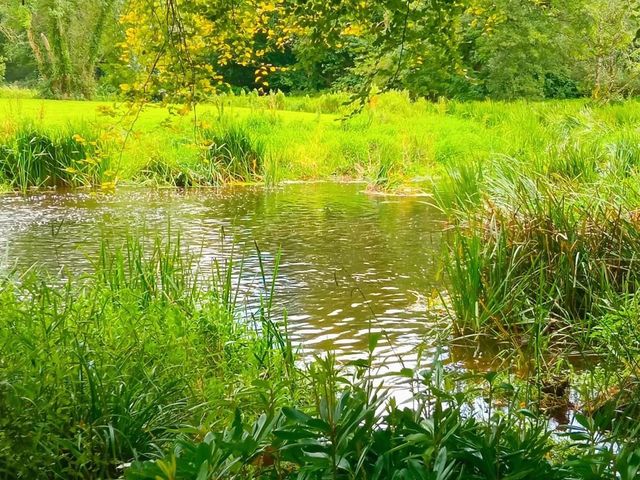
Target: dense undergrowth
{"x": 104, "y": 370}
{"x": 146, "y": 361}
{"x": 352, "y": 433}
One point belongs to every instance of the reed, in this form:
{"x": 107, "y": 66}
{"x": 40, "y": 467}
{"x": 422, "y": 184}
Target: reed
{"x": 540, "y": 248}
{"x": 105, "y": 369}
{"x": 32, "y": 157}
{"x": 230, "y": 155}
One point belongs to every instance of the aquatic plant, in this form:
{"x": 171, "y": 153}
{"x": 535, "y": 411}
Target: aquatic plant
{"x": 160, "y": 172}
{"x": 351, "y": 432}
{"x": 540, "y": 249}
{"x": 230, "y": 155}
{"x": 31, "y": 157}
{"x": 105, "y": 369}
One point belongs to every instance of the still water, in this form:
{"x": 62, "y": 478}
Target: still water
{"x": 351, "y": 263}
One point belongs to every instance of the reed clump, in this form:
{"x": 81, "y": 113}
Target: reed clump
{"x": 540, "y": 251}
{"x": 104, "y": 369}
{"x": 225, "y": 155}
{"x": 231, "y": 155}
{"x": 34, "y": 157}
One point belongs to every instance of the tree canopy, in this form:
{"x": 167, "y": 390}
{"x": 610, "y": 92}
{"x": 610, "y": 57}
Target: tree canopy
{"x": 188, "y": 49}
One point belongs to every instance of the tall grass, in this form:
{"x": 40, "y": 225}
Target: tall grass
{"x": 232, "y": 155}
{"x": 33, "y": 157}
{"x": 106, "y": 369}
{"x": 225, "y": 155}
{"x": 17, "y": 93}
{"x": 541, "y": 248}
{"x": 392, "y": 141}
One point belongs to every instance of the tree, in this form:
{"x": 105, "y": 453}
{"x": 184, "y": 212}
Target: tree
{"x": 610, "y": 53}
{"x": 179, "y": 48}
{"x": 392, "y": 41}
{"x": 515, "y": 46}
{"x": 64, "y": 38}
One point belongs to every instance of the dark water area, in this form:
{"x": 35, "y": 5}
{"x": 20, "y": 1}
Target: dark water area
{"x": 351, "y": 263}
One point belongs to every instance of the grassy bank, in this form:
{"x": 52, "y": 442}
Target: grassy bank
{"x": 548, "y": 240}
{"x": 393, "y": 141}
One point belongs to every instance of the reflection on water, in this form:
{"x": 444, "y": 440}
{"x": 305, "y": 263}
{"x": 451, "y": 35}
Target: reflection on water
{"x": 350, "y": 263}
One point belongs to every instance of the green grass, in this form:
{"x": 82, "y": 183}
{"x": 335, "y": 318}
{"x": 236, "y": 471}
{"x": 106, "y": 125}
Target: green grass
{"x": 377, "y": 145}
{"x": 390, "y": 143}
{"x": 104, "y": 370}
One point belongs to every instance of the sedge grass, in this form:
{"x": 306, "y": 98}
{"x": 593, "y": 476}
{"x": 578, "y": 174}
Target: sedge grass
{"x": 30, "y": 157}
{"x": 104, "y": 370}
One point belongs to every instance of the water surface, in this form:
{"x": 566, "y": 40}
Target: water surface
{"x": 351, "y": 263}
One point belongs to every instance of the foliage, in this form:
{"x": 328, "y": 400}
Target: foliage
{"x": 181, "y": 60}
{"x": 32, "y": 158}
{"x": 183, "y": 57}
{"x": 64, "y": 38}
{"x": 611, "y": 51}
{"x": 99, "y": 371}
{"x": 349, "y": 433}
{"x": 177, "y": 50}
{"x": 511, "y": 40}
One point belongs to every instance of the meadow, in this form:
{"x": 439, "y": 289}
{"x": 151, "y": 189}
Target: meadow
{"x": 141, "y": 363}
{"x": 296, "y": 138}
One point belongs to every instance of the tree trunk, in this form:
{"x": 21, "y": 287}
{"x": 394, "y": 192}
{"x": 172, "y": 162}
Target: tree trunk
{"x": 43, "y": 67}
{"x": 94, "y": 47}
{"x": 60, "y": 48}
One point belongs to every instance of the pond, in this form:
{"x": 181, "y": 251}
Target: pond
{"x": 351, "y": 262}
